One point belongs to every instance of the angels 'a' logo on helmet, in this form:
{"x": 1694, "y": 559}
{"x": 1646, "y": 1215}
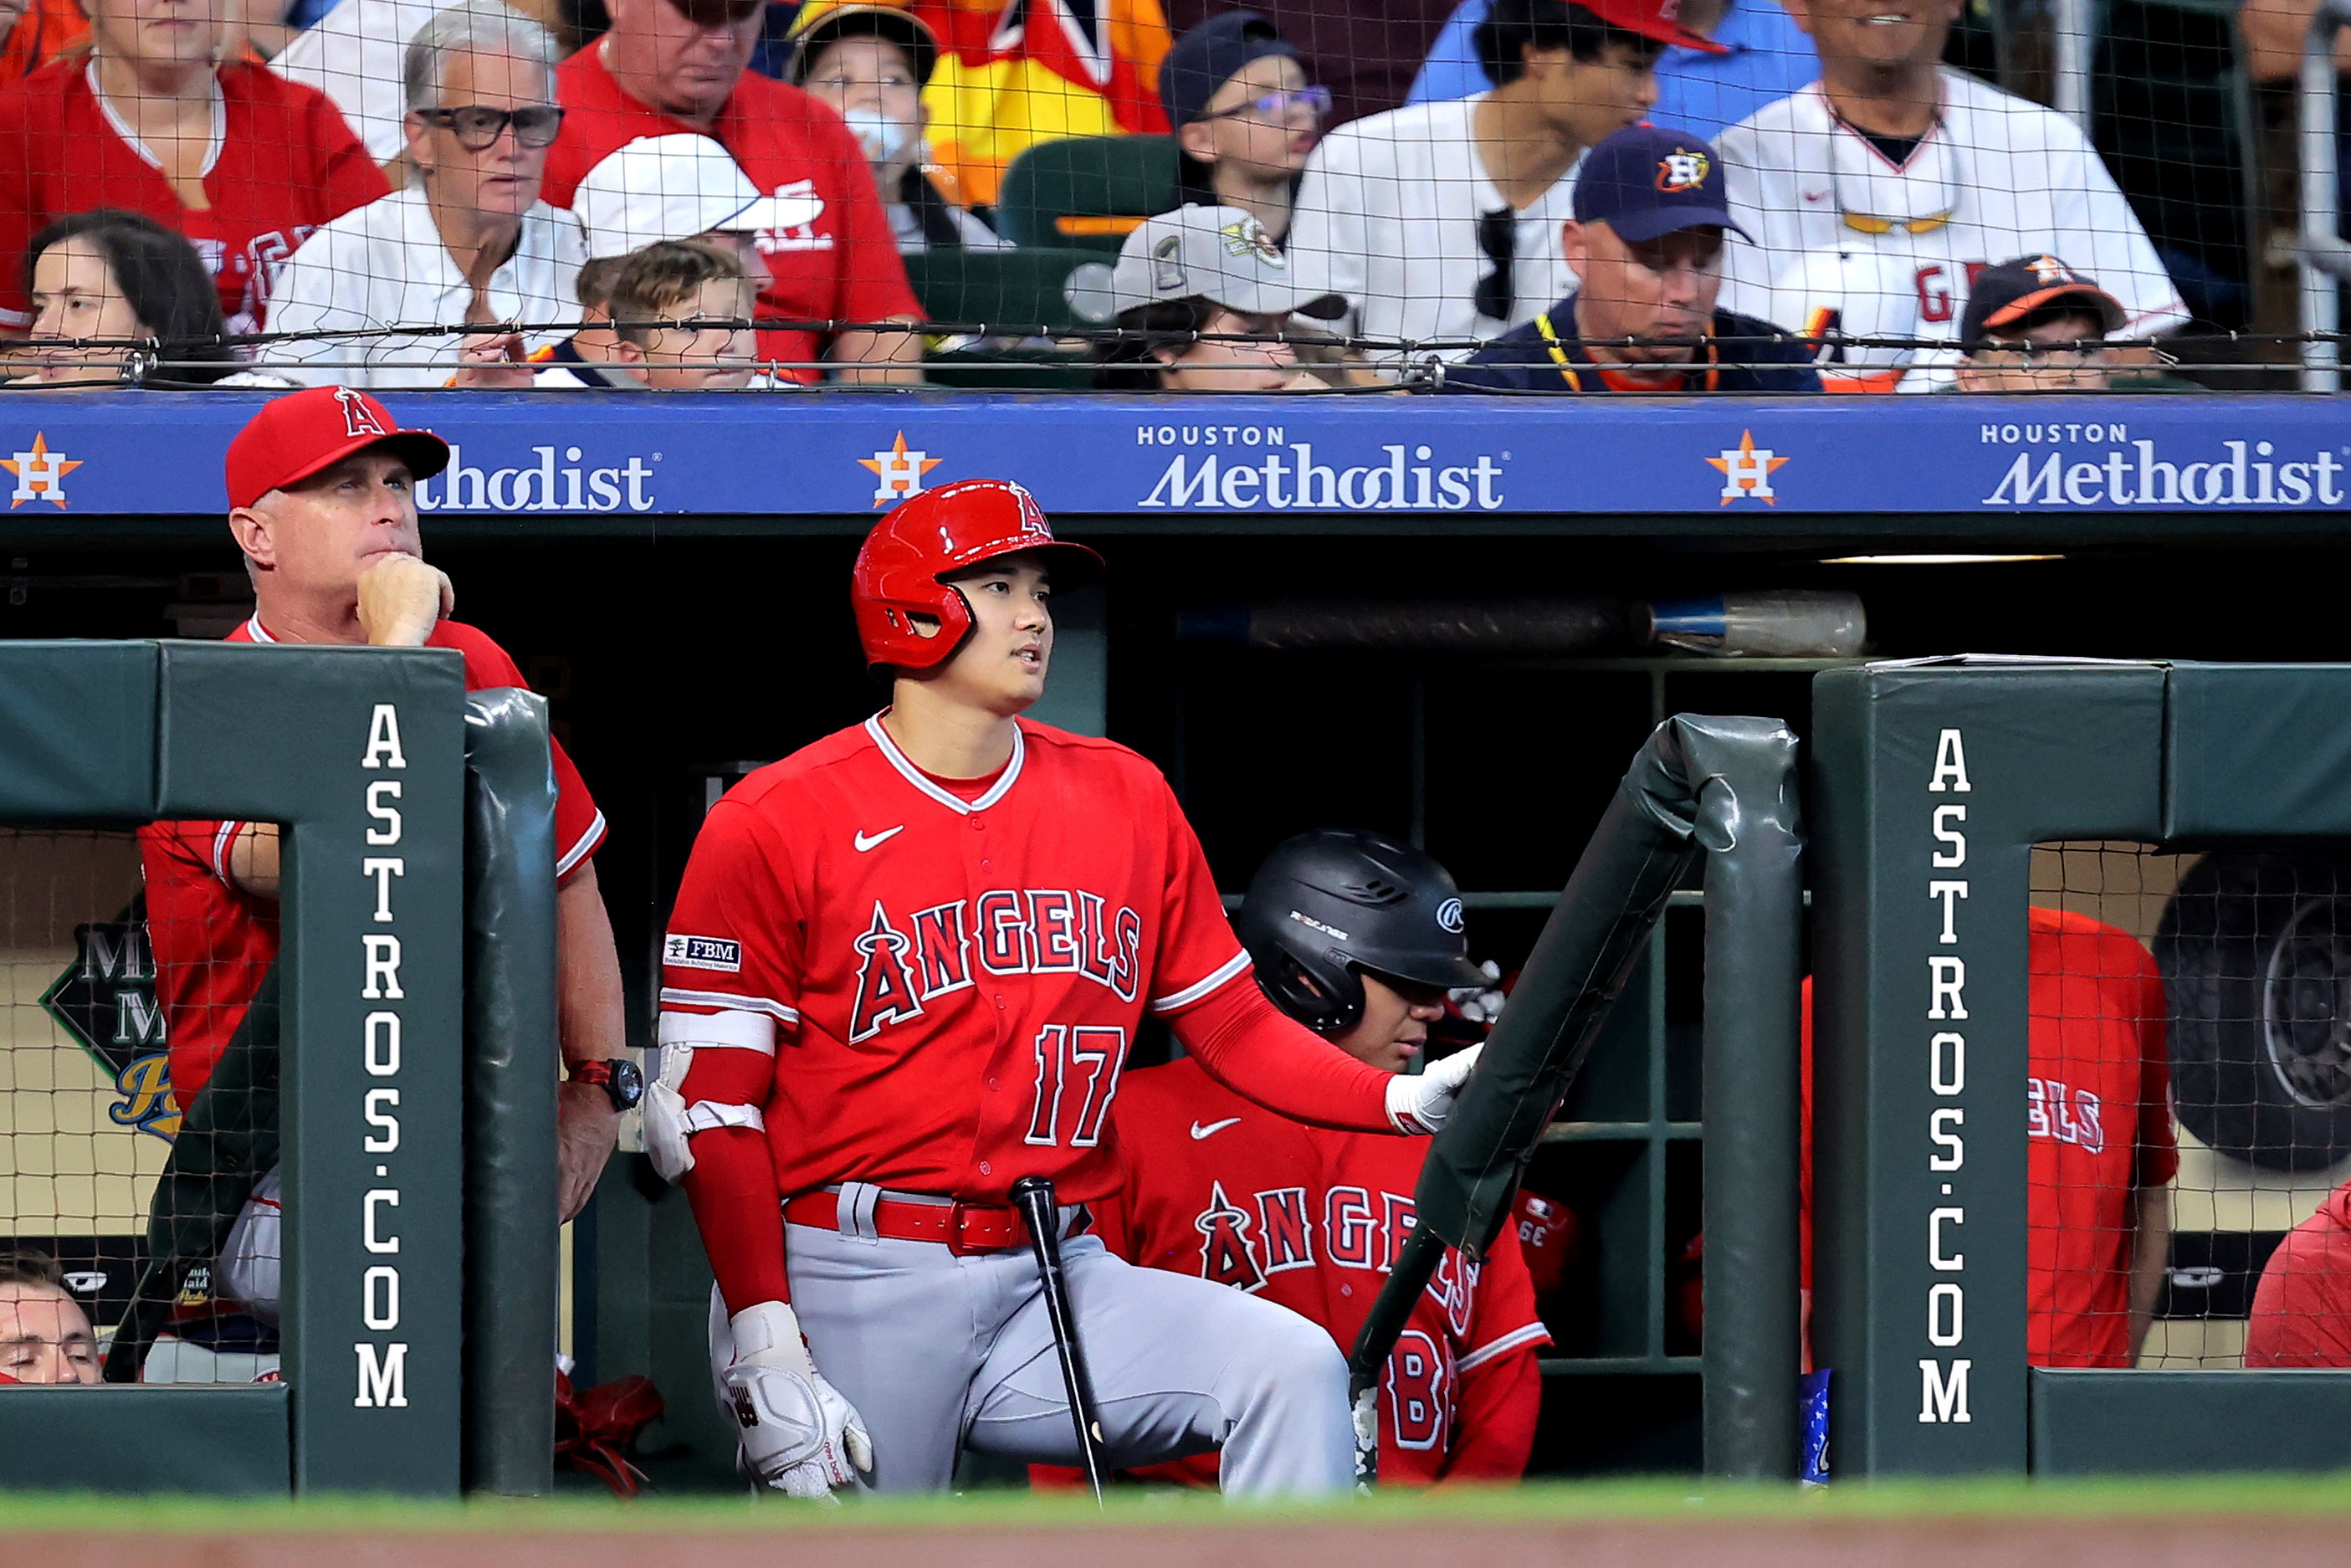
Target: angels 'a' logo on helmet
{"x": 1226, "y": 1257}
{"x": 359, "y": 413}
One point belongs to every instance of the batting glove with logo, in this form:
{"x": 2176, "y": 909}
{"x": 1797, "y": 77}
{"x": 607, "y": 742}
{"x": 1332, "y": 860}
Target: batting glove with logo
{"x": 1420, "y": 1103}
{"x": 799, "y": 1435}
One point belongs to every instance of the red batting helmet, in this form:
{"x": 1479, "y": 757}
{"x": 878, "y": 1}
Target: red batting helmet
{"x": 936, "y": 534}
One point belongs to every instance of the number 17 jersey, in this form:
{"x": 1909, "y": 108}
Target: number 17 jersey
{"x": 949, "y": 987}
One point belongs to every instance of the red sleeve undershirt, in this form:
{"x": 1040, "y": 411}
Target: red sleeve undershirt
{"x": 1251, "y": 1048}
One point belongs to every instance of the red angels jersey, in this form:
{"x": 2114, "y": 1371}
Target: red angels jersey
{"x": 2302, "y": 1308}
{"x": 213, "y": 942}
{"x": 840, "y": 265}
{"x": 283, "y": 162}
{"x": 2097, "y": 1125}
{"x": 1311, "y": 1218}
{"x": 949, "y": 987}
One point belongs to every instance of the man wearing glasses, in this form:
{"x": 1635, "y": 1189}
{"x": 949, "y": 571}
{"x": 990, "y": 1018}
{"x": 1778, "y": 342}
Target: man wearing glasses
{"x": 1439, "y": 223}
{"x": 672, "y": 65}
{"x": 1933, "y": 170}
{"x": 469, "y": 240}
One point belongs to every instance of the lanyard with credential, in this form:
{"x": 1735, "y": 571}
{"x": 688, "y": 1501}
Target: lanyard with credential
{"x": 1575, "y": 383}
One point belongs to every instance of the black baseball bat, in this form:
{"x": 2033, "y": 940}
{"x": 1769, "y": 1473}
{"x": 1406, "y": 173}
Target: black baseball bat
{"x": 1035, "y": 1196}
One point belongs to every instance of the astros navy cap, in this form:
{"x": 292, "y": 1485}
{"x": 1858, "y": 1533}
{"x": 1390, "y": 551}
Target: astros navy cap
{"x": 1646, "y": 182}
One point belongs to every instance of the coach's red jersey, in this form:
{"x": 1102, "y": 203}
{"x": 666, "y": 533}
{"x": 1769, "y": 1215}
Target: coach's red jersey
{"x": 840, "y": 263}
{"x": 1311, "y": 1218}
{"x": 283, "y": 162}
{"x": 213, "y": 942}
{"x": 949, "y": 987}
{"x": 2098, "y": 1122}
{"x": 2301, "y": 1309}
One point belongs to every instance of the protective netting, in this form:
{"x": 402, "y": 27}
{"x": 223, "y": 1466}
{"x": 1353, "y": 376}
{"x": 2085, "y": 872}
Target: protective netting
{"x": 2218, "y": 978}
{"x": 86, "y": 1116}
{"x": 679, "y": 195}
{"x": 124, "y": 1216}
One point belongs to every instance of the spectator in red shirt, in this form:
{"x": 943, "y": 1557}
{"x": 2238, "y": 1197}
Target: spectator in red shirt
{"x": 671, "y": 65}
{"x": 244, "y": 163}
{"x": 2301, "y": 1309}
{"x": 38, "y": 31}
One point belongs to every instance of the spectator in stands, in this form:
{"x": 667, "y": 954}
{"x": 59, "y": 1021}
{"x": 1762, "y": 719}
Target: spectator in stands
{"x": 671, "y": 65}
{"x": 242, "y": 163}
{"x": 1891, "y": 151}
{"x": 37, "y": 31}
{"x": 1440, "y": 224}
{"x": 589, "y": 358}
{"x": 112, "y": 274}
{"x": 1646, "y": 244}
{"x": 871, "y": 63}
{"x": 2302, "y": 1308}
{"x": 2035, "y": 325}
{"x": 357, "y": 54}
{"x": 45, "y": 1336}
{"x": 1244, "y": 116}
{"x": 1188, "y": 286}
{"x": 1765, "y": 57}
{"x": 469, "y": 240}
{"x": 1367, "y": 52}
{"x": 670, "y": 304}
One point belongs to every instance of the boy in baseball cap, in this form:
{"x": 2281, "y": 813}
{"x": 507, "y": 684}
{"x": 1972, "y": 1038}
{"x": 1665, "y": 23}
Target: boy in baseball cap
{"x": 1188, "y": 286}
{"x": 1244, "y": 115}
{"x": 1645, "y": 244}
{"x": 2036, "y": 325}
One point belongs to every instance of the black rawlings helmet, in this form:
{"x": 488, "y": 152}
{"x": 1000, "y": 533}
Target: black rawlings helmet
{"x": 1328, "y": 905}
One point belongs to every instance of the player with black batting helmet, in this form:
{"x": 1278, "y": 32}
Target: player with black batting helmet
{"x": 1327, "y": 908}
{"x": 1359, "y": 938}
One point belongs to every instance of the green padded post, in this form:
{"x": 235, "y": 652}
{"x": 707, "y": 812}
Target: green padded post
{"x": 229, "y": 1440}
{"x": 1919, "y": 965}
{"x": 361, "y": 752}
{"x": 76, "y": 733}
{"x": 511, "y": 1062}
{"x": 1745, "y": 773}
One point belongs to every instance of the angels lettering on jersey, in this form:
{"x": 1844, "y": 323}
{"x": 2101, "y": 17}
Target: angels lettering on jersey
{"x": 1273, "y": 1232}
{"x": 906, "y": 960}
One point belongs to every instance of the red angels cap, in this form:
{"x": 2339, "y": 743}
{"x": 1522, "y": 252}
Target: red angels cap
{"x": 1658, "y": 19}
{"x": 294, "y": 436}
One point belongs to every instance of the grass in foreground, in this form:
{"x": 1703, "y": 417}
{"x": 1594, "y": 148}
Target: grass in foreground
{"x": 1554, "y": 1504}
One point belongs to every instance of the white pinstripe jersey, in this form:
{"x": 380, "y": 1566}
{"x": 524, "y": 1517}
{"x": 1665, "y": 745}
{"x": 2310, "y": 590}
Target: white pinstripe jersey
{"x": 2004, "y": 177}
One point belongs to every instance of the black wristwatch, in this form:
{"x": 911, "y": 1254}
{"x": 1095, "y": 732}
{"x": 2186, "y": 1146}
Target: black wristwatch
{"x": 619, "y": 1077}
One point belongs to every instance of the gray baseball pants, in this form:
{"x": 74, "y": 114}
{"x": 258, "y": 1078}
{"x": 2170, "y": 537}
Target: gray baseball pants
{"x": 938, "y": 1352}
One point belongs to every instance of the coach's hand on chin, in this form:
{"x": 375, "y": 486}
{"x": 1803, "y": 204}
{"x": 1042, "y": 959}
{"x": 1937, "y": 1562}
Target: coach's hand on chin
{"x": 401, "y": 599}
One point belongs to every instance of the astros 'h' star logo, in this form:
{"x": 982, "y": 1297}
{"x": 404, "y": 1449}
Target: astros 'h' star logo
{"x": 1747, "y": 471}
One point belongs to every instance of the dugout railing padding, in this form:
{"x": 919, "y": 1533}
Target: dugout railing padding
{"x": 1724, "y": 787}
{"x": 379, "y": 1393}
{"x": 1934, "y": 773}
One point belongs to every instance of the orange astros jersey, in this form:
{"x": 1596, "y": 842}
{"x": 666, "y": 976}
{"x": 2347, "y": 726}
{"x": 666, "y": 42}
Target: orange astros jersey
{"x": 948, "y": 974}
{"x": 1308, "y": 1217}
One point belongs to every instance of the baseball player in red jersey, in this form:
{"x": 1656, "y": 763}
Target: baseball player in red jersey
{"x": 320, "y": 488}
{"x": 2302, "y": 1308}
{"x": 1358, "y": 938}
{"x": 902, "y": 973}
{"x": 2101, "y": 1149}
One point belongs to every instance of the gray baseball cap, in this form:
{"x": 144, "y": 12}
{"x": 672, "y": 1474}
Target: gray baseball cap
{"x": 1220, "y": 254}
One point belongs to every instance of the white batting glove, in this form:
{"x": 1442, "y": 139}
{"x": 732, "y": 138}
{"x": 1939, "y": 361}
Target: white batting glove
{"x": 1420, "y": 1103}
{"x": 799, "y": 1435}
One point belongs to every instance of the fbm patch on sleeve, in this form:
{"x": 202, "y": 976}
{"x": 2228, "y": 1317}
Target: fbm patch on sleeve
{"x": 701, "y": 953}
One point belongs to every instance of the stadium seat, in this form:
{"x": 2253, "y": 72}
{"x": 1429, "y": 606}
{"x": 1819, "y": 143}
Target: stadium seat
{"x": 1012, "y": 293}
{"x": 1087, "y": 191}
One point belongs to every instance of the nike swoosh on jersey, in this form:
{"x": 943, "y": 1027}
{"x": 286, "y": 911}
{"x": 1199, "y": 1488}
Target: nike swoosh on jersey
{"x": 1214, "y": 1127}
{"x": 867, "y": 840}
